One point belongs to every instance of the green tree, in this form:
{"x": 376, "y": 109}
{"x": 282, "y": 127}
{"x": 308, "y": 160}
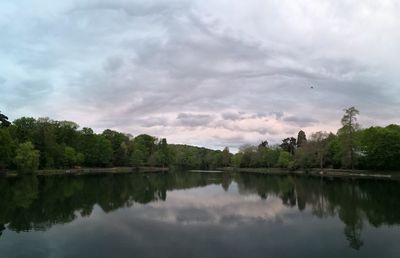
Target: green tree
{"x": 350, "y": 125}
{"x": 45, "y": 140}
{"x": 237, "y": 160}
{"x": 25, "y": 128}
{"x": 334, "y": 151}
{"x": 147, "y": 144}
{"x": 320, "y": 145}
{"x": 380, "y": 148}
{"x": 305, "y": 156}
{"x": 7, "y": 148}
{"x": 289, "y": 145}
{"x": 226, "y": 157}
{"x": 284, "y": 159}
{"x": 4, "y": 121}
{"x": 105, "y": 151}
{"x": 66, "y": 132}
{"x": 137, "y": 158}
{"x": 271, "y": 156}
{"x": 301, "y": 138}
{"x": 119, "y": 143}
{"x": 72, "y": 157}
{"x": 162, "y": 154}
{"x": 27, "y": 158}
{"x": 96, "y": 149}
{"x": 249, "y": 157}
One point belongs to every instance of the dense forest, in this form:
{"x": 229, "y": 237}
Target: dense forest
{"x": 28, "y": 144}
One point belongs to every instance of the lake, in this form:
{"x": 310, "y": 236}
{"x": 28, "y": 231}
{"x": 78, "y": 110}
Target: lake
{"x": 198, "y": 215}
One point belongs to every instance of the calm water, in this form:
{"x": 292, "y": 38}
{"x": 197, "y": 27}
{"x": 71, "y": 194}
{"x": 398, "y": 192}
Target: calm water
{"x": 198, "y": 215}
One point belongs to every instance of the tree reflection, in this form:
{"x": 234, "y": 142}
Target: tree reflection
{"x": 30, "y": 203}
{"x": 351, "y": 201}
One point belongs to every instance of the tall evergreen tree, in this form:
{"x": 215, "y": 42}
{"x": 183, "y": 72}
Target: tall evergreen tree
{"x": 301, "y": 138}
{"x": 350, "y": 125}
{"x": 4, "y": 121}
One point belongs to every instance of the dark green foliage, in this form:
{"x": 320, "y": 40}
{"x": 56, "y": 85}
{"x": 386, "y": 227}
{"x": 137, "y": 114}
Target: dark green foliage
{"x": 119, "y": 143}
{"x": 96, "y": 149}
{"x": 7, "y": 148}
{"x": 27, "y": 158}
{"x": 62, "y": 145}
{"x": 144, "y": 148}
{"x": 380, "y": 147}
{"x": 289, "y": 144}
{"x": 226, "y": 157}
{"x": 72, "y": 158}
{"x": 4, "y": 121}
{"x": 284, "y": 159}
{"x": 24, "y": 128}
{"x": 261, "y": 156}
{"x": 162, "y": 155}
{"x": 346, "y": 133}
{"x": 301, "y": 138}
{"x": 186, "y": 156}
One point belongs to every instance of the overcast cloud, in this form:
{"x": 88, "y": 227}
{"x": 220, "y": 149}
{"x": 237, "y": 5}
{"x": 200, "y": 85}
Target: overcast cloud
{"x": 210, "y": 73}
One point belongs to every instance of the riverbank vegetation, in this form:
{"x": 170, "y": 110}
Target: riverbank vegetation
{"x": 28, "y": 144}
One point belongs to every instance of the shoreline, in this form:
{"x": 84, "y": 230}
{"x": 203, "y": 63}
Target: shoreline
{"x": 323, "y": 173}
{"x": 90, "y": 171}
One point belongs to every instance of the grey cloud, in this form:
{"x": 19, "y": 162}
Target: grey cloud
{"x": 300, "y": 121}
{"x": 112, "y": 64}
{"x": 237, "y": 128}
{"x": 278, "y": 115}
{"x": 242, "y": 115}
{"x": 27, "y": 92}
{"x": 132, "y": 62}
{"x": 153, "y": 121}
{"x": 231, "y": 116}
{"x": 193, "y": 120}
{"x": 131, "y": 8}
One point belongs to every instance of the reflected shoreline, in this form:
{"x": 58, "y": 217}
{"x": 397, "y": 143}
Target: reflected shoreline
{"x": 37, "y": 203}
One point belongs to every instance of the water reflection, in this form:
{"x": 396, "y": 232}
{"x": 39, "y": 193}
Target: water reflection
{"x": 214, "y": 201}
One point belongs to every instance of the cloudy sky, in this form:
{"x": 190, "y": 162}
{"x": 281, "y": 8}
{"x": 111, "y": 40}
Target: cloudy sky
{"x": 210, "y": 73}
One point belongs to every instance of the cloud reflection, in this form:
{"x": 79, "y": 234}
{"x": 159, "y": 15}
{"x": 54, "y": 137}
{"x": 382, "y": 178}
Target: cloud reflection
{"x": 211, "y": 205}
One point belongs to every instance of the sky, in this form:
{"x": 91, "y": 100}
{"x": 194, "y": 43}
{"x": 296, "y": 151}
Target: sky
{"x": 208, "y": 73}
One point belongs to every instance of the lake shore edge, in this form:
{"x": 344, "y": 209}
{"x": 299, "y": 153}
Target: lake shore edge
{"x": 90, "y": 171}
{"x": 316, "y": 172}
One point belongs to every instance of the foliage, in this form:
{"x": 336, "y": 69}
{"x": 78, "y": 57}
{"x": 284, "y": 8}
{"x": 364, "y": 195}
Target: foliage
{"x": 7, "y": 148}
{"x": 284, "y": 159}
{"x": 380, "y": 147}
{"x": 346, "y": 133}
{"x": 301, "y": 138}
{"x": 72, "y": 157}
{"x": 186, "y": 156}
{"x": 4, "y": 121}
{"x": 289, "y": 144}
{"x": 27, "y": 158}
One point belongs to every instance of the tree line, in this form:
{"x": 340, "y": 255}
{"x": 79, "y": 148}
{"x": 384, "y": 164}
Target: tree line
{"x": 373, "y": 148}
{"x": 27, "y": 144}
